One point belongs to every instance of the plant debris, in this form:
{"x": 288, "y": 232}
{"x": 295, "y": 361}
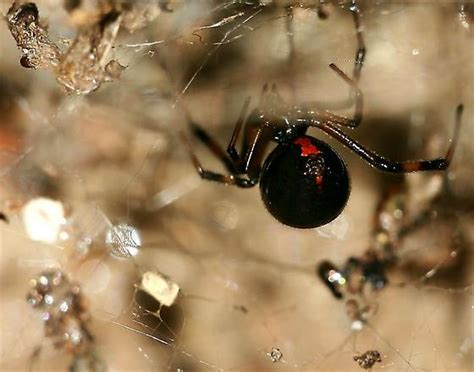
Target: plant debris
{"x": 31, "y": 36}
{"x": 86, "y": 64}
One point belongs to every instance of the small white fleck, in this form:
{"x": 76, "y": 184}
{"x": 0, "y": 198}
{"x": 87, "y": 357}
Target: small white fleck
{"x": 398, "y": 213}
{"x": 275, "y": 355}
{"x": 43, "y": 280}
{"x": 64, "y": 307}
{"x": 48, "y": 299}
{"x": 334, "y": 276}
{"x": 75, "y": 336}
{"x": 43, "y": 219}
{"x": 430, "y": 273}
{"x": 357, "y": 325}
{"x": 63, "y": 235}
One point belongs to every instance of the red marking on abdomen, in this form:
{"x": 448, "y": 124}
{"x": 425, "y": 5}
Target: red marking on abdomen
{"x": 319, "y": 180}
{"x": 307, "y": 148}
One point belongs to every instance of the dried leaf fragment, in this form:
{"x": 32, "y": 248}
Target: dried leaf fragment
{"x": 31, "y": 36}
{"x": 83, "y": 67}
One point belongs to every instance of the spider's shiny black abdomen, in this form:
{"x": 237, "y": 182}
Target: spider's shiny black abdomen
{"x": 304, "y": 184}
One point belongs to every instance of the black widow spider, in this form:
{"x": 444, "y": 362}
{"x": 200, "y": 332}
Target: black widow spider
{"x": 303, "y": 182}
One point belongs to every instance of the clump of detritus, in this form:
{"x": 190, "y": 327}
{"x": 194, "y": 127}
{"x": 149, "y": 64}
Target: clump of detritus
{"x": 368, "y": 359}
{"x": 275, "y": 355}
{"x": 359, "y": 278}
{"x": 65, "y": 315}
{"x": 87, "y": 62}
{"x": 365, "y": 275}
{"x": 32, "y": 37}
{"x": 368, "y": 272}
{"x": 404, "y": 210}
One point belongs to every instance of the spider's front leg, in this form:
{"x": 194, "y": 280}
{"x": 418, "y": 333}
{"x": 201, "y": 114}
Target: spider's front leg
{"x": 358, "y": 64}
{"x": 231, "y": 151}
{"x": 359, "y": 102}
{"x": 248, "y": 162}
{"x": 314, "y": 116}
{"x": 228, "y": 179}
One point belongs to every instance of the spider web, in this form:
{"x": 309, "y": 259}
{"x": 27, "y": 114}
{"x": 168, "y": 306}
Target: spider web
{"x": 248, "y": 285}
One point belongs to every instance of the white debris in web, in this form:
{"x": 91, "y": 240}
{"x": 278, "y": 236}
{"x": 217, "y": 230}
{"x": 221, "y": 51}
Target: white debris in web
{"x": 275, "y": 355}
{"x": 368, "y": 359}
{"x": 123, "y": 240}
{"x": 43, "y": 219}
{"x": 159, "y": 287}
{"x": 357, "y": 325}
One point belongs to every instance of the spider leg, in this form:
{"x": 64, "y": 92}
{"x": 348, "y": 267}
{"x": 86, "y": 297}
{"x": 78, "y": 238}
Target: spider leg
{"x": 256, "y": 138}
{"x": 238, "y": 126}
{"x": 214, "y": 147}
{"x": 229, "y": 179}
{"x": 387, "y": 165}
{"x": 340, "y": 120}
{"x": 358, "y": 63}
{"x": 290, "y": 34}
{"x": 361, "y": 50}
{"x": 230, "y": 158}
{"x": 359, "y": 102}
{"x": 272, "y": 102}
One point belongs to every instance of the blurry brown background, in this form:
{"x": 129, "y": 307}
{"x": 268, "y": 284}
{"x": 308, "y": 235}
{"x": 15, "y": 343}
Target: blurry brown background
{"x": 248, "y": 283}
